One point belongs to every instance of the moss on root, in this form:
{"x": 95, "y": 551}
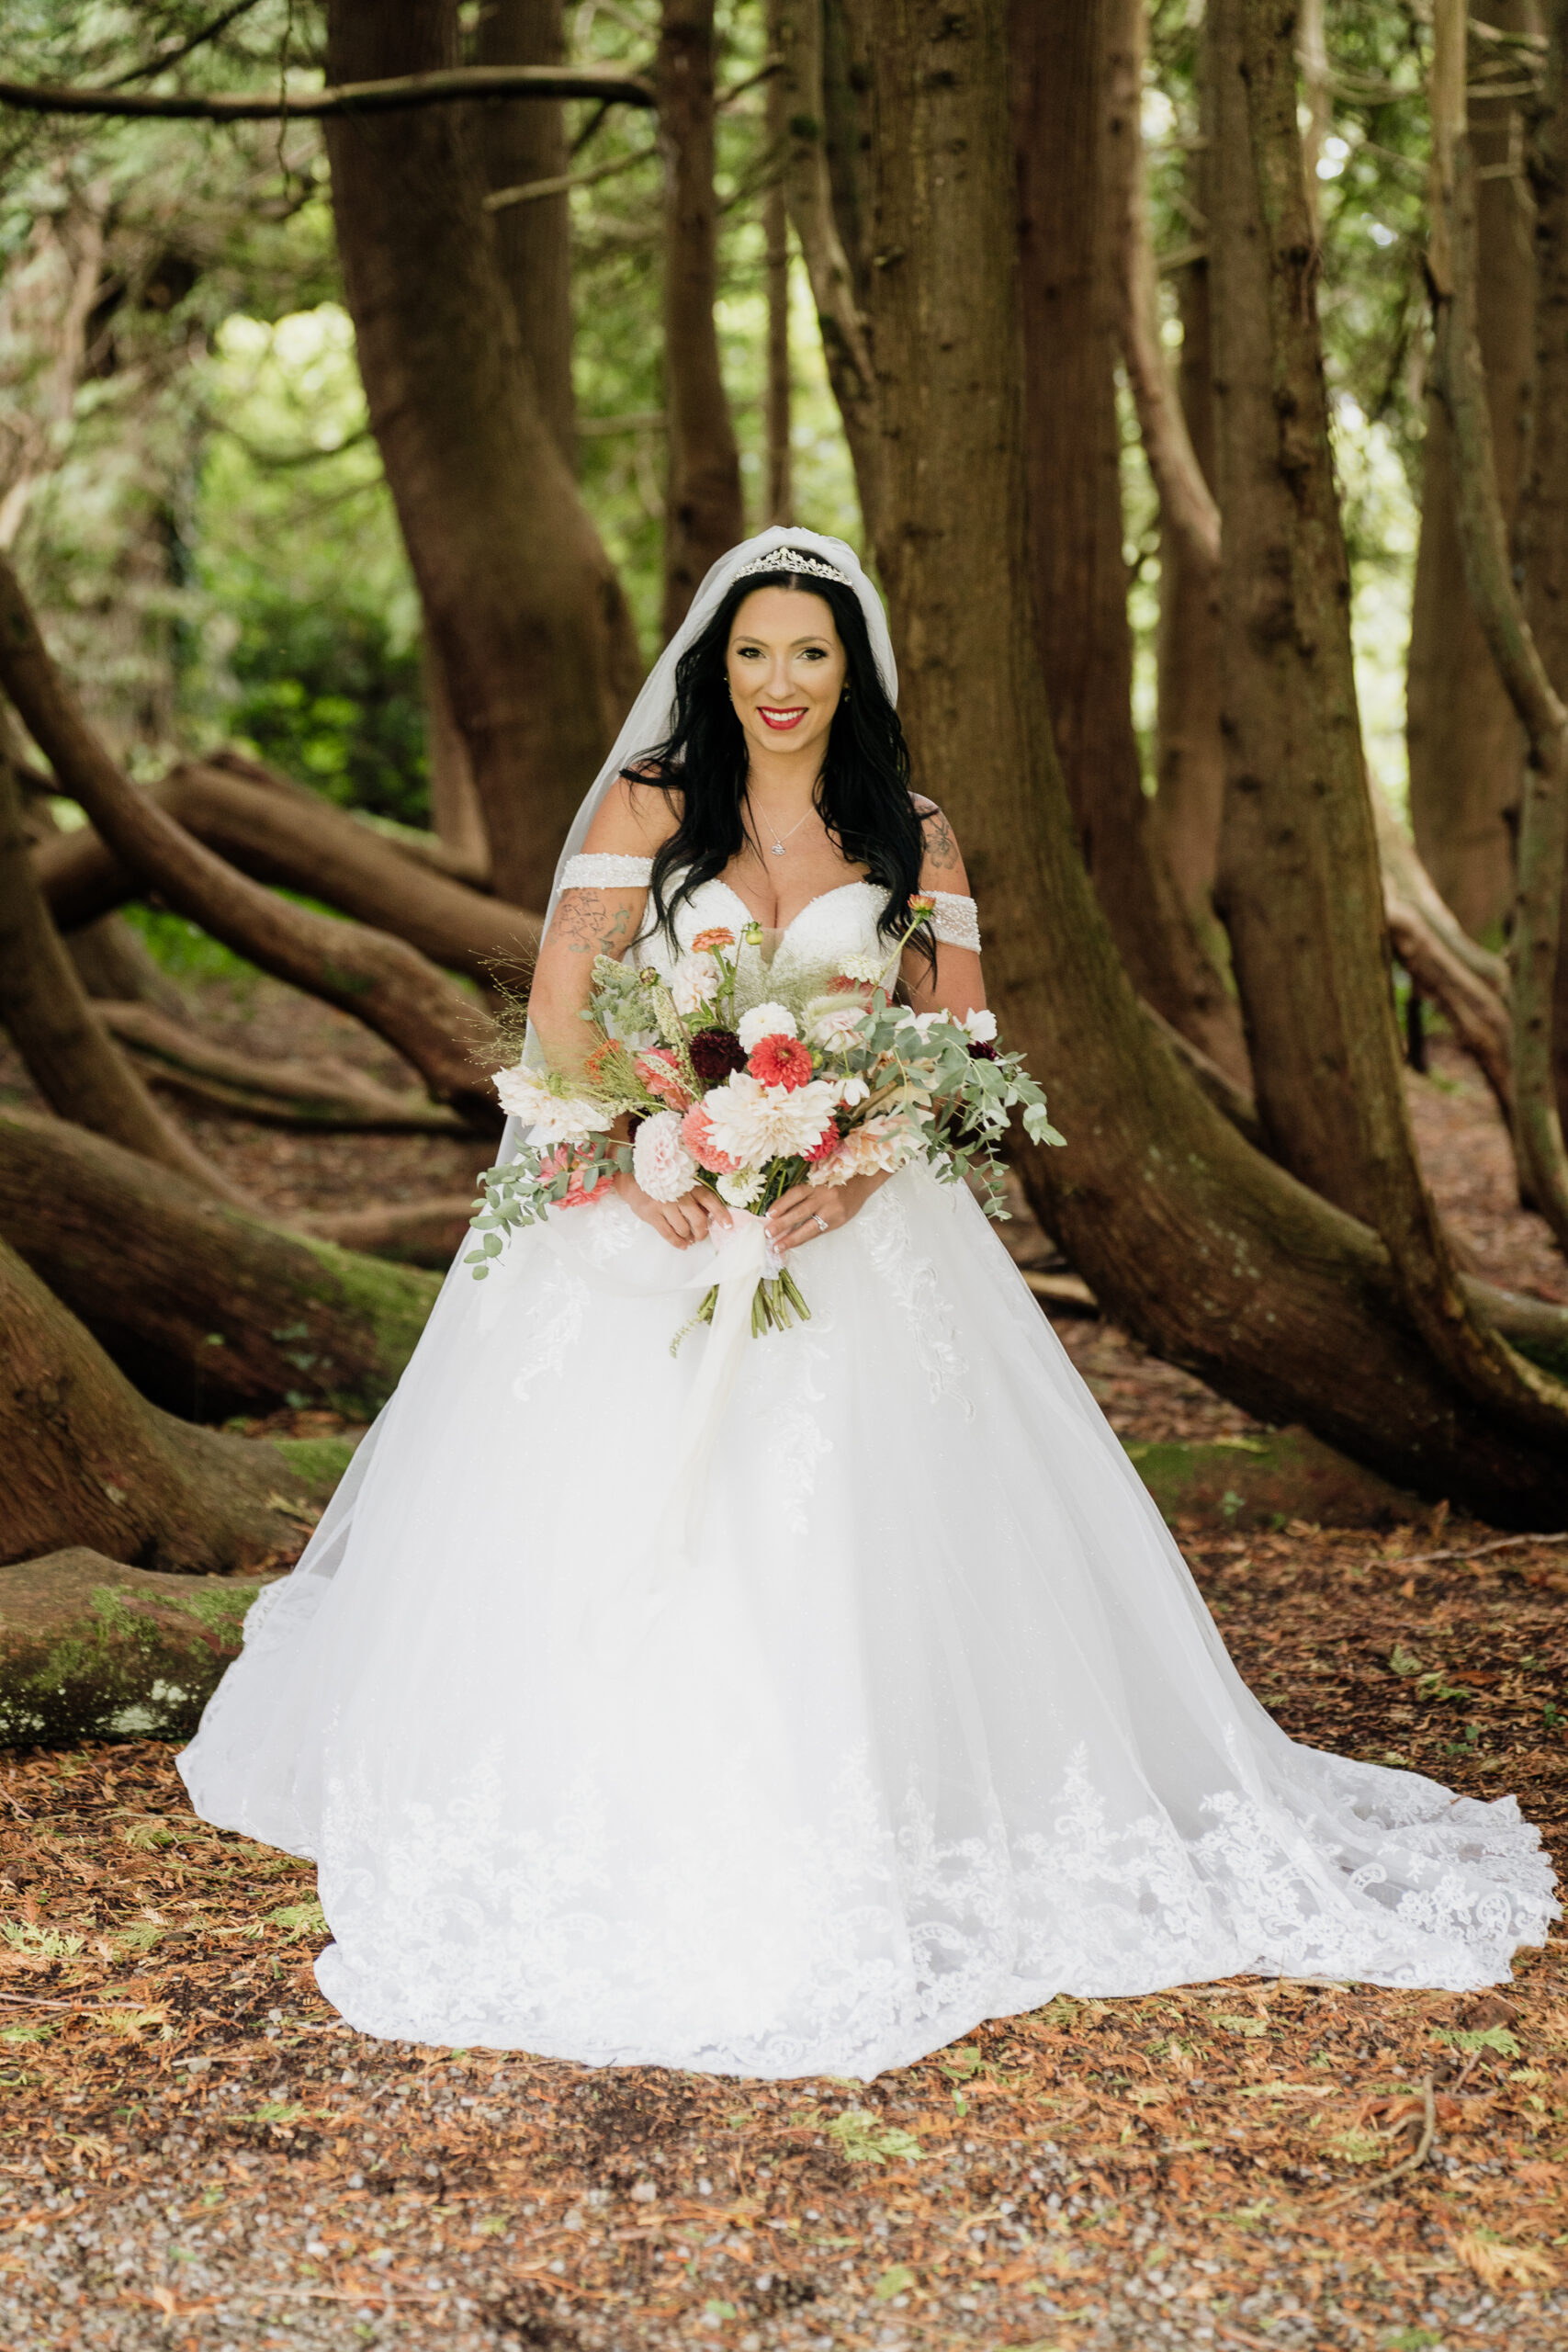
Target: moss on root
{"x": 1267, "y": 1482}
{"x": 90, "y": 1649}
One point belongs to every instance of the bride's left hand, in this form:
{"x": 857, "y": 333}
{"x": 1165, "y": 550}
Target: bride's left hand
{"x": 807, "y": 1211}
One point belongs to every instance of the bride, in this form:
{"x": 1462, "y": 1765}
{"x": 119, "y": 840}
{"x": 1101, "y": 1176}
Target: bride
{"x": 926, "y": 1722}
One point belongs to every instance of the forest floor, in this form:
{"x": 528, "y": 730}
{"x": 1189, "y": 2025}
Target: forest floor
{"x": 196, "y": 2153}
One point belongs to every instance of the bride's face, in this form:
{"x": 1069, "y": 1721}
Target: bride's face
{"x": 786, "y": 667}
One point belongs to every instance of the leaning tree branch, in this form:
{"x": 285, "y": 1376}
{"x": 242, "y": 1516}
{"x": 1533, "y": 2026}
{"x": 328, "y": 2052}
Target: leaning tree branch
{"x": 607, "y": 84}
{"x": 1187, "y": 503}
{"x": 69, "y": 1053}
{"x": 1458, "y": 377}
{"x": 278, "y": 833}
{"x": 380, "y": 980}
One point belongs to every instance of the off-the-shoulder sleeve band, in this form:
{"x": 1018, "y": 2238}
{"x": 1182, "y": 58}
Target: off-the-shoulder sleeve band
{"x": 956, "y": 922}
{"x": 600, "y": 871}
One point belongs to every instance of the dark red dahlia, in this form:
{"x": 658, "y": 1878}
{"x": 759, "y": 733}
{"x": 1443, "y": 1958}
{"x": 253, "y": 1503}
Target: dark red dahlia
{"x": 714, "y": 1053}
{"x": 982, "y": 1050}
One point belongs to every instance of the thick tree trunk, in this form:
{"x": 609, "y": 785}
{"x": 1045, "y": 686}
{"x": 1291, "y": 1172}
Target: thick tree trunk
{"x": 1071, "y": 139}
{"x": 85, "y": 1460}
{"x": 290, "y": 837}
{"x": 382, "y": 982}
{"x": 528, "y": 619}
{"x": 209, "y": 1310}
{"x": 802, "y": 33}
{"x": 1454, "y": 275}
{"x": 519, "y": 144}
{"x": 1467, "y": 748}
{"x": 69, "y": 1053}
{"x": 703, "y": 513}
{"x": 1213, "y": 1256}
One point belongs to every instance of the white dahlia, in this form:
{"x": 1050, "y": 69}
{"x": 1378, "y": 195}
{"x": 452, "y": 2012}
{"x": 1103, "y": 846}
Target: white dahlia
{"x": 742, "y": 1189}
{"x": 982, "y": 1027}
{"x": 868, "y": 968}
{"x": 661, "y": 1162}
{"x": 694, "y": 983}
{"x": 764, "y": 1021}
{"x": 558, "y": 1118}
{"x": 752, "y": 1123}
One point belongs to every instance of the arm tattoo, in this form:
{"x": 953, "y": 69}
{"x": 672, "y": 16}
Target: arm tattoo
{"x": 941, "y": 849}
{"x": 587, "y": 924}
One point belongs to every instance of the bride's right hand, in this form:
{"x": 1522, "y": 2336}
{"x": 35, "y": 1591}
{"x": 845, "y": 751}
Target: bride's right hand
{"x": 678, "y": 1222}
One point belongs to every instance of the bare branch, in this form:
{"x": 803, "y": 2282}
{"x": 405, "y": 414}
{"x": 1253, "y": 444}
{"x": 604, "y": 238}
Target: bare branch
{"x": 611, "y": 87}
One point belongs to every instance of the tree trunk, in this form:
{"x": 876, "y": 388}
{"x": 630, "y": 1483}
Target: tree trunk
{"x": 1467, "y": 748}
{"x": 802, "y": 33}
{"x": 1211, "y": 1255}
{"x": 520, "y": 143}
{"x": 1453, "y": 273}
{"x": 703, "y": 513}
{"x": 780, "y": 493}
{"x": 291, "y": 838}
{"x": 382, "y": 982}
{"x": 85, "y": 1460}
{"x": 69, "y": 1053}
{"x": 1191, "y": 768}
{"x": 1071, "y": 137}
{"x": 529, "y": 622}
{"x": 1545, "y": 518}
{"x": 209, "y": 1310}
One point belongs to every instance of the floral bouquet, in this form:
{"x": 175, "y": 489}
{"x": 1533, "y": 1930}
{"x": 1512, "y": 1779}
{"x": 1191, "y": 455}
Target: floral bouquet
{"x": 815, "y": 1086}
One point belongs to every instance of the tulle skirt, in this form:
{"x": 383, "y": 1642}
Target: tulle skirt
{"x": 925, "y": 1722}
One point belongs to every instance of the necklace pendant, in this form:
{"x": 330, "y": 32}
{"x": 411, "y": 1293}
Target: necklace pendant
{"x": 777, "y": 850}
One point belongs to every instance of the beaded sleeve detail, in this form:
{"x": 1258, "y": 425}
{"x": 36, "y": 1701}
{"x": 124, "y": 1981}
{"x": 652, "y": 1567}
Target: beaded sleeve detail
{"x": 601, "y": 871}
{"x": 956, "y": 921}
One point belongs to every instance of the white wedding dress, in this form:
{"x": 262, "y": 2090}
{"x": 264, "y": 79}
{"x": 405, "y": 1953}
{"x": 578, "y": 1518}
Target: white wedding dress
{"x": 929, "y": 1724}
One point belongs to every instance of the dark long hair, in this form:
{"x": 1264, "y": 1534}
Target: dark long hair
{"x": 862, "y": 794}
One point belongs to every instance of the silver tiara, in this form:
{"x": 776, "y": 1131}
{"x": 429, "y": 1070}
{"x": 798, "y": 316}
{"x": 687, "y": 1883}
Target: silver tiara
{"x": 791, "y": 560}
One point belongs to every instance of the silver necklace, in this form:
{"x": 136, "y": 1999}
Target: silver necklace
{"x": 780, "y": 839}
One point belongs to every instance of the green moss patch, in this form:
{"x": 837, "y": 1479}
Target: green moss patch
{"x": 316, "y": 1462}
{"x": 1267, "y": 1482}
{"x": 91, "y": 1649}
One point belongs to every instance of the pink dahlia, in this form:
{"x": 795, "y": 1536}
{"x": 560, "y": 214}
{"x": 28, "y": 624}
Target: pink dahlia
{"x": 697, "y": 1133}
{"x": 831, "y": 1141}
{"x": 716, "y": 937}
{"x": 781, "y": 1061}
{"x": 658, "y": 1070}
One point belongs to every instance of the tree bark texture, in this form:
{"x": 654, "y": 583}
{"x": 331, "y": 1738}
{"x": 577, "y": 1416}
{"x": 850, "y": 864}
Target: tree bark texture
{"x": 1215, "y": 1257}
{"x": 519, "y": 144}
{"x": 704, "y": 512}
{"x": 209, "y": 1310}
{"x": 1072, "y": 136}
{"x": 454, "y": 811}
{"x": 1454, "y": 273}
{"x": 527, "y": 617}
{"x": 1467, "y": 748}
{"x": 293, "y": 839}
{"x": 70, "y": 1054}
{"x": 85, "y": 1460}
{"x": 381, "y": 981}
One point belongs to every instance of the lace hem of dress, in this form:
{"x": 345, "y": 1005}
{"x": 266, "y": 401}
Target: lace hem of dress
{"x": 866, "y": 1939}
{"x": 598, "y": 870}
{"x": 956, "y": 922}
